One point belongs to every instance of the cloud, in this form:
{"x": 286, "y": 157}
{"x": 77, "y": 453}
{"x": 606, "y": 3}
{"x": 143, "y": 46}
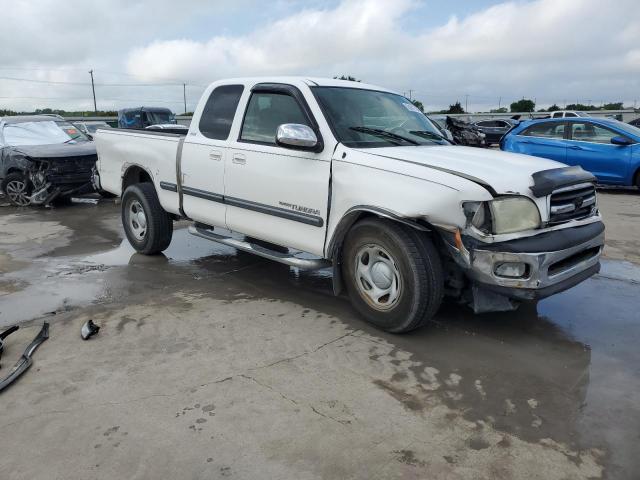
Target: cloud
{"x": 545, "y": 49}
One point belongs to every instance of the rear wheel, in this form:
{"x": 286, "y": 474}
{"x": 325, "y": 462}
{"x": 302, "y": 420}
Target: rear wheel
{"x": 393, "y": 274}
{"x": 17, "y": 187}
{"x": 148, "y": 227}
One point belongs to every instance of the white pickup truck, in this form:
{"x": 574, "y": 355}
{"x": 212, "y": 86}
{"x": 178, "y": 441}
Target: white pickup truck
{"x": 318, "y": 173}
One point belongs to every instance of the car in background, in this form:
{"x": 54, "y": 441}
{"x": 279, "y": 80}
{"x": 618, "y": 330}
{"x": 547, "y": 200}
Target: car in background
{"x": 441, "y": 124}
{"x": 90, "y": 127}
{"x": 465, "y": 133}
{"x": 635, "y": 123}
{"x": 609, "y": 149}
{"x": 495, "y": 129}
{"x": 567, "y": 114}
{"x": 42, "y": 158}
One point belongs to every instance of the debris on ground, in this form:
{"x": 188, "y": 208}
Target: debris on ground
{"x": 89, "y": 329}
{"x": 25, "y": 360}
{"x": 4, "y": 335}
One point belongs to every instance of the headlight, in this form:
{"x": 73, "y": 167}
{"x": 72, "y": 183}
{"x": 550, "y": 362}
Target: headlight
{"x": 503, "y": 215}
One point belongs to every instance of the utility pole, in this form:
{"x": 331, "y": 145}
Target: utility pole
{"x": 410, "y": 92}
{"x": 184, "y": 96}
{"x": 466, "y": 103}
{"x": 499, "y": 103}
{"x": 93, "y": 88}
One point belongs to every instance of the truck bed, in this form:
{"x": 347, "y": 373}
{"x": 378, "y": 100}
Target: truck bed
{"x": 155, "y": 152}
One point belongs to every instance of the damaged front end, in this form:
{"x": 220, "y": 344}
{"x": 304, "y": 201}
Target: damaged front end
{"x": 508, "y": 252}
{"x": 38, "y": 175}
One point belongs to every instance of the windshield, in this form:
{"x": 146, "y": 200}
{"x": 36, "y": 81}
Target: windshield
{"x": 41, "y": 133}
{"x": 92, "y": 127}
{"x": 368, "y": 118}
{"x": 158, "y": 118}
{"x": 628, "y": 128}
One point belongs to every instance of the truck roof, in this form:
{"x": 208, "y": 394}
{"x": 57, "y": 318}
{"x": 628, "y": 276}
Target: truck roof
{"x": 300, "y": 80}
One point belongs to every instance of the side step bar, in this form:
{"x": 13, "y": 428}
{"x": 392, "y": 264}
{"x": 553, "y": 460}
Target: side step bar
{"x": 286, "y": 258}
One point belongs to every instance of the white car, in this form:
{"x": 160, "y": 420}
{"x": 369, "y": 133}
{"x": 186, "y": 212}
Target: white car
{"x": 567, "y": 114}
{"x": 358, "y": 180}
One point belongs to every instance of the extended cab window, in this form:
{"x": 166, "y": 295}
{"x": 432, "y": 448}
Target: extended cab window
{"x": 266, "y": 112}
{"x": 545, "y": 130}
{"x": 218, "y": 113}
{"x": 589, "y": 132}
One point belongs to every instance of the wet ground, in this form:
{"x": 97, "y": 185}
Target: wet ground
{"x": 213, "y": 363}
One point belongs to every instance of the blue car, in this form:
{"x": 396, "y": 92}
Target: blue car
{"x": 607, "y": 148}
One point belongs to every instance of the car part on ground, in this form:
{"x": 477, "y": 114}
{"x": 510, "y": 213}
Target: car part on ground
{"x": 465, "y": 133}
{"x": 89, "y": 329}
{"x": 4, "y": 335}
{"x": 25, "y": 360}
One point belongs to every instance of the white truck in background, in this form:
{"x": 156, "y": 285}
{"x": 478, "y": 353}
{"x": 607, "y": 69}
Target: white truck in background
{"x": 357, "y": 177}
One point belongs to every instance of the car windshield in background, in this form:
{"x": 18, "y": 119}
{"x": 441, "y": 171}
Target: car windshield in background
{"x": 369, "y": 118}
{"x": 159, "y": 118}
{"x": 41, "y": 133}
{"x": 628, "y": 128}
{"x": 92, "y": 127}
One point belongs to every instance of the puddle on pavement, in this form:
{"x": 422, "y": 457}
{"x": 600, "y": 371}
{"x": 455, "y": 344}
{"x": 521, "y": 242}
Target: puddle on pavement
{"x": 566, "y": 369}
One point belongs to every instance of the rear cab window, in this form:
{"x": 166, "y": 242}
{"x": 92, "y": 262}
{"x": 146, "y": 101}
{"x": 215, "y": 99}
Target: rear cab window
{"x": 219, "y": 111}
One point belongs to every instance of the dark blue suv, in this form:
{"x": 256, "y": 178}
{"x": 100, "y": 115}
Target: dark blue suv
{"x": 607, "y": 148}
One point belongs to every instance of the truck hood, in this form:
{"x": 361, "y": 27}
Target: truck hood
{"x": 502, "y": 172}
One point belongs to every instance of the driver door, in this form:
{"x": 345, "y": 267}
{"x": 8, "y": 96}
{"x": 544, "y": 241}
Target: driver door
{"x": 273, "y": 193}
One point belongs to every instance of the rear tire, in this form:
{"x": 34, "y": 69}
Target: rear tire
{"x": 148, "y": 227}
{"x": 18, "y": 189}
{"x": 393, "y": 274}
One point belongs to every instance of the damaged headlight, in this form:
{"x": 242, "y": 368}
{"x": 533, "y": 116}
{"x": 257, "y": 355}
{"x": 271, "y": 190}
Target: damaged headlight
{"x": 503, "y": 215}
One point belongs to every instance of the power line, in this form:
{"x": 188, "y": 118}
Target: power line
{"x": 56, "y": 82}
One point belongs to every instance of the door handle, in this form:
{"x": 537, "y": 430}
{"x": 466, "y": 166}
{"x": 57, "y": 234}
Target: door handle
{"x": 239, "y": 159}
{"x": 575, "y": 147}
{"x": 215, "y": 155}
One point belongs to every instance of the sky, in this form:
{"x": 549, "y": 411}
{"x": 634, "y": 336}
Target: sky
{"x": 482, "y": 53}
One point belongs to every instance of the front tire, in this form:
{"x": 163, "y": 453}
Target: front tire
{"x": 18, "y": 189}
{"x": 393, "y": 274}
{"x": 148, "y": 227}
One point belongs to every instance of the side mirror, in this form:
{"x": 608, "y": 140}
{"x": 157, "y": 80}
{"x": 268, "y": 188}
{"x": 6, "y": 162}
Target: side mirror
{"x": 622, "y": 141}
{"x": 296, "y": 136}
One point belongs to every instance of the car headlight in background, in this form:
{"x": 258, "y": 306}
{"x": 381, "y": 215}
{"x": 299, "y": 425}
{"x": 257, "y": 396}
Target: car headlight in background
{"x": 503, "y": 215}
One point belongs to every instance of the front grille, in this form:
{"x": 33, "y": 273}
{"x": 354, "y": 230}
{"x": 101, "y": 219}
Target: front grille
{"x": 572, "y": 203}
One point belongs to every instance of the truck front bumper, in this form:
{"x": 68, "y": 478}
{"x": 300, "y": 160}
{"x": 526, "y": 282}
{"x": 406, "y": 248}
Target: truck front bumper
{"x": 536, "y": 267}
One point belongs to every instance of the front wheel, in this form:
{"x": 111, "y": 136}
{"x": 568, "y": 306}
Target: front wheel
{"x": 18, "y": 189}
{"x": 393, "y": 274}
{"x": 148, "y": 227}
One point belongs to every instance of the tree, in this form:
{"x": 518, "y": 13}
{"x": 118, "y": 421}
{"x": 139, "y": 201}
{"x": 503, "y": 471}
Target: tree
{"x": 418, "y": 104}
{"x": 499, "y": 110}
{"x": 613, "y": 106}
{"x": 347, "y": 77}
{"x": 552, "y": 108}
{"x": 455, "y": 108}
{"x": 524, "y": 105}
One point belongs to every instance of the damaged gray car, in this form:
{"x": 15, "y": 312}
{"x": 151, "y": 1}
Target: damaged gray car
{"x": 43, "y": 158}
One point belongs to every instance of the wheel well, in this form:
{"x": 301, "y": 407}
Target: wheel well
{"x": 334, "y": 249}
{"x": 135, "y": 175}
{"x": 636, "y": 178}
{"x": 15, "y": 170}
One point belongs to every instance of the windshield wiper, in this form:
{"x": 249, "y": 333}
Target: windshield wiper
{"x": 429, "y": 135}
{"x": 384, "y": 134}
{"x": 72, "y": 138}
